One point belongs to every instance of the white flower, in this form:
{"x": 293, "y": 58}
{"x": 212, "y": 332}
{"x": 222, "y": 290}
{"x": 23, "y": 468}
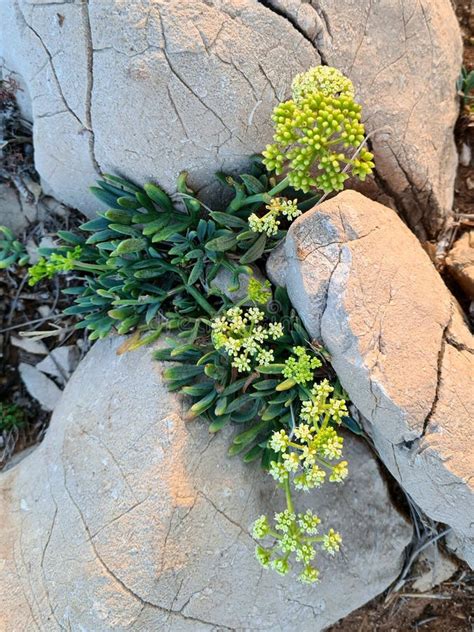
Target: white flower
{"x": 332, "y": 542}
{"x": 275, "y": 330}
{"x": 265, "y": 356}
{"x": 279, "y": 441}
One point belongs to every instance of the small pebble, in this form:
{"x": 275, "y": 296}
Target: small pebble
{"x": 29, "y": 345}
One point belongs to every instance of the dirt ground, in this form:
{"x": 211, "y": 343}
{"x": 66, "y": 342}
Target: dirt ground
{"x": 447, "y": 608}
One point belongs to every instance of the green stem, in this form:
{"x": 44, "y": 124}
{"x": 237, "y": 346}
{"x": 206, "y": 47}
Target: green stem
{"x": 325, "y": 463}
{"x": 295, "y": 445}
{"x": 325, "y": 421}
{"x": 281, "y": 186}
{"x": 266, "y": 197}
{"x": 289, "y": 500}
{"x": 318, "y": 538}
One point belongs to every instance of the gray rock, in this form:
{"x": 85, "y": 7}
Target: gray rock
{"x": 39, "y": 386}
{"x": 435, "y": 568}
{"x": 37, "y": 347}
{"x": 194, "y": 84}
{"x": 223, "y": 281}
{"x": 363, "y": 285}
{"x": 146, "y": 520}
{"x": 15, "y": 213}
{"x": 60, "y": 363}
{"x": 277, "y": 270}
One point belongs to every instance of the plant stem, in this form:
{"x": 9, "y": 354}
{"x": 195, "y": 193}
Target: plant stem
{"x": 318, "y": 538}
{"x": 283, "y": 184}
{"x": 266, "y": 197}
{"x": 289, "y": 500}
{"x": 325, "y": 421}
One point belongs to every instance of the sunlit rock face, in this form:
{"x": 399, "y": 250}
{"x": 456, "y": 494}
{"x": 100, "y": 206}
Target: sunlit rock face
{"x": 127, "y": 517}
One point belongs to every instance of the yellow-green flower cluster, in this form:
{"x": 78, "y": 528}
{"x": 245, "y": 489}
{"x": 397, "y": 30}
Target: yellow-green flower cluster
{"x": 259, "y": 292}
{"x": 301, "y": 368}
{"x": 332, "y": 542}
{"x": 314, "y": 444}
{"x": 294, "y": 533}
{"x": 321, "y": 404}
{"x": 316, "y": 134}
{"x": 270, "y": 222}
{"x": 325, "y": 79}
{"x": 242, "y": 335}
{"x": 47, "y": 268}
{"x": 305, "y": 457}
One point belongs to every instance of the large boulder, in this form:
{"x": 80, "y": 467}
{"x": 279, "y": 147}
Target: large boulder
{"x": 364, "y": 286}
{"x": 127, "y": 517}
{"x": 148, "y": 89}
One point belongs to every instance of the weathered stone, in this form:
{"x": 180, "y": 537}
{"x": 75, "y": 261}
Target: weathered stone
{"x": 362, "y": 284}
{"x": 223, "y": 281}
{"x": 433, "y": 567}
{"x": 194, "y": 84}
{"x": 146, "y": 521}
{"x": 277, "y": 270}
{"x": 60, "y": 363}
{"x": 37, "y": 347}
{"x": 41, "y": 388}
{"x": 460, "y": 262}
{"x": 15, "y": 213}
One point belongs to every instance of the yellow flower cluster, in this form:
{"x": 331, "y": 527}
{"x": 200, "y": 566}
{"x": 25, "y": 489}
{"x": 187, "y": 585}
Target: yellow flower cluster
{"x": 47, "y": 268}
{"x": 242, "y": 335}
{"x": 305, "y": 455}
{"x": 315, "y": 443}
{"x": 294, "y": 533}
{"x": 270, "y": 222}
{"x": 300, "y": 369}
{"x": 259, "y": 292}
{"x": 325, "y": 79}
{"x": 317, "y": 132}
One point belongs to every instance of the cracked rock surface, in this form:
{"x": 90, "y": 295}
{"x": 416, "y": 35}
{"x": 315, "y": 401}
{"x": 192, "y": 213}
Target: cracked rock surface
{"x": 127, "y": 517}
{"x": 153, "y": 87}
{"x": 148, "y": 88}
{"x": 363, "y": 285}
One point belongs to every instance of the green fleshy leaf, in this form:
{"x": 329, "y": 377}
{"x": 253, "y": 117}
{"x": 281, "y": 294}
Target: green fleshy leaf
{"x": 255, "y": 251}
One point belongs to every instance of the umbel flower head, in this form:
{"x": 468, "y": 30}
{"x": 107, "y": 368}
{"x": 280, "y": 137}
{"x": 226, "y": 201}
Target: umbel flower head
{"x": 329, "y": 81}
{"x": 317, "y": 135}
{"x": 270, "y": 222}
{"x": 294, "y": 533}
{"x": 301, "y": 368}
{"x": 259, "y": 291}
{"x": 47, "y": 268}
{"x": 304, "y": 457}
{"x": 242, "y": 335}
